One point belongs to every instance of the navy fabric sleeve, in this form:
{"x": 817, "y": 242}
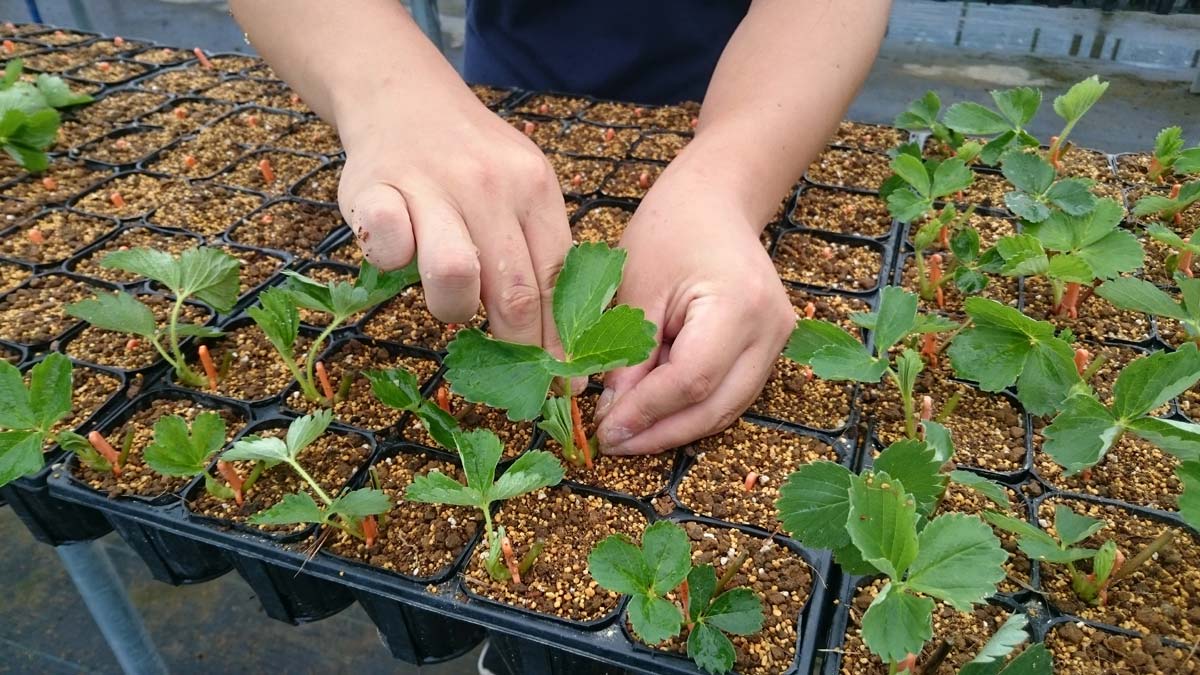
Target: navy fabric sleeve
{"x": 648, "y": 51}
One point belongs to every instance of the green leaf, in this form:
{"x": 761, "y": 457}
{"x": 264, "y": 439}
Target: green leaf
{"x": 1025, "y": 207}
{"x": 1036, "y": 543}
{"x": 20, "y": 454}
{"x": 298, "y": 507}
{"x": 399, "y": 389}
{"x": 258, "y": 449}
{"x": 883, "y": 523}
{"x": 1028, "y": 172}
{"x": 209, "y": 274}
{"x": 361, "y": 503}
{"x": 836, "y": 362}
{"x": 960, "y": 561}
{"x": 989, "y": 489}
{"x": 702, "y": 583}
{"x": 1036, "y": 660}
{"x": 951, "y": 176}
{"x": 1189, "y": 502}
{"x": 1069, "y": 268}
{"x": 343, "y": 299}
{"x": 193, "y": 330}
{"x": 304, "y": 430}
{"x": 737, "y": 611}
{"x": 500, "y": 374}
{"x": 176, "y": 451}
{"x": 921, "y": 114}
{"x": 938, "y": 438}
{"x": 480, "y": 451}
{"x": 906, "y": 206}
{"x": 622, "y": 337}
{"x": 916, "y": 466}
{"x": 117, "y": 311}
{"x": 40, "y": 129}
{"x": 22, "y": 97}
{"x": 81, "y": 448}
{"x": 1073, "y": 195}
{"x": 1073, "y": 528}
{"x": 617, "y": 564}
{"x": 996, "y": 148}
{"x": 588, "y": 281}
{"x": 967, "y": 117}
{"x": 908, "y": 366}
{"x": 912, "y": 171}
{"x": 533, "y": 470}
{"x": 1004, "y": 641}
{"x": 216, "y": 488}
{"x": 1188, "y": 162}
{"x": 1117, "y": 253}
{"x": 667, "y": 553}
{"x": 278, "y": 317}
{"x": 1023, "y": 255}
{"x": 12, "y": 73}
{"x": 711, "y": 651}
{"x": 1081, "y": 434}
{"x": 1168, "y": 143}
{"x": 436, "y": 487}
{"x": 850, "y": 559}
{"x": 965, "y": 245}
{"x": 812, "y": 335}
{"x": 1072, "y": 105}
{"x": 814, "y": 504}
{"x": 897, "y": 624}
{"x": 58, "y": 93}
{"x": 556, "y": 421}
{"x": 33, "y": 160}
{"x": 1018, "y": 105}
{"x": 1151, "y": 381}
{"x": 1140, "y": 295}
{"x": 654, "y": 619}
{"x": 50, "y": 390}
{"x": 895, "y": 318}
{"x": 1181, "y": 439}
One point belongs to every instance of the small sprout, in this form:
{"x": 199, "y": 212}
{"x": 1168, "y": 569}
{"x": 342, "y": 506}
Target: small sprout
{"x": 190, "y": 161}
{"x": 202, "y": 58}
{"x": 119, "y": 41}
{"x": 443, "y": 397}
{"x": 268, "y": 174}
{"x": 609, "y": 134}
{"x": 827, "y": 253}
{"x": 36, "y": 237}
{"x": 117, "y": 200}
{"x": 370, "y": 528}
{"x": 750, "y": 482}
{"x": 926, "y": 408}
{"x": 210, "y": 368}
{"x": 935, "y": 278}
{"x": 132, "y": 344}
{"x": 121, "y": 144}
{"x": 104, "y": 66}
{"x": 644, "y": 180}
{"x": 236, "y": 483}
{"x": 9, "y": 47}
{"x": 529, "y": 128}
{"x": 510, "y": 559}
{"x": 577, "y": 180}
{"x": 251, "y": 120}
{"x": 810, "y": 310}
{"x": 1082, "y": 358}
{"x": 544, "y": 109}
{"x": 266, "y": 219}
{"x": 323, "y": 378}
{"x": 180, "y": 113}
{"x": 930, "y": 348}
{"x": 49, "y": 183}
{"x": 106, "y": 450}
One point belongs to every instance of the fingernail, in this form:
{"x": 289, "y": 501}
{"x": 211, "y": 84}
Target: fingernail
{"x": 603, "y": 404}
{"x": 614, "y": 436}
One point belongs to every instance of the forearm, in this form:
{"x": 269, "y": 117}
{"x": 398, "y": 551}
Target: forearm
{"x": 781, "y": 86}
{"x": 345, "y": 58}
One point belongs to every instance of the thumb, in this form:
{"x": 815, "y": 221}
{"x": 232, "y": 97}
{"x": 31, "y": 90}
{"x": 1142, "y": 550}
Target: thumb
{"x": 378, "y": 217}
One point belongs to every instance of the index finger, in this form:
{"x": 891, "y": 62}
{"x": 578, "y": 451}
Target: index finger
{"x": 548, "y": 236}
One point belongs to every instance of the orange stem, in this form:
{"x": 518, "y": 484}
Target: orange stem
{"x": 1185, "y": 261}
{"x": 1175, "y": 191}
{"x": 581, "y": 439}
{"x": 202, "y": 57}
{"x": 685, "y": 593}
{"x": 102, "y": 446}
{"x": 189, "y": 161}
{"x": 935, "y": 278}
{"x": 268, "y": 174}
{"x": 9, "y": 46}
{"x": 49, "y": 183}
{"x": 510, "y": 559}
{"x": 230, "y": 474}
{"x": 810, "y": 310}
{"x": 1071, "y": 300}
{"x": 644, "y": 180}
{"x": 36, "y": 236}
{"x": 323, "y": 378}
{"x": 1082, "y": 358}
{"x": 370, "y": 530}
{"x": 443, "y": 397}
{"x": 210, "y": 368}
{"x": 609, "y": 134}
{"x": 117, "y": 200}
{"x": 750, "y": 482}
{"x": 944, "y": 236}
{"x": 1054, "y": 152}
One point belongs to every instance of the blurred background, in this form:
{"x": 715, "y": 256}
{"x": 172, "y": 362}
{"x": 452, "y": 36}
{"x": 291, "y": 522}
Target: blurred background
{"x": 1149, "y": 50}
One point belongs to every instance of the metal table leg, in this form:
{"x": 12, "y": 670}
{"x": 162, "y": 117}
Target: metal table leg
{"x": 102, "y": 591}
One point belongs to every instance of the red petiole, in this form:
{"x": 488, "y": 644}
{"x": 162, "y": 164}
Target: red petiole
{"x": 106, "y": 450}
{"x": 231, "y": 476}
{"x": 581, "y": 438}
{"x": 323, "y": 378}
{"x": 935, "y": 278}
{"x": 210, "y": 368}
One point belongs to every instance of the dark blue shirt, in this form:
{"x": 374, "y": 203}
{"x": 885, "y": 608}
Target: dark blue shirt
{"x": 646, "y": 51}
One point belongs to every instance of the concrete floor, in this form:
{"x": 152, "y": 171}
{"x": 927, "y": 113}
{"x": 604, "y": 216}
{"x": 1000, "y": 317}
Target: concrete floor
{"x": 958, "y": 49}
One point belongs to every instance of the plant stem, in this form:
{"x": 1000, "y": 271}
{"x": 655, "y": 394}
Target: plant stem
{"x": 309, "y": 479}
{"x": 1094, "y": 367}
{"x": 731, "y": 572}
{"x": 936, "y": 658}
{"x": 922, "y": 282}
{"x": 906, "y": 398}
{"x": 1143, "y": 555}
{"x": 949, "y": 407}
{"x": 580, "y": 435}
{"x": 126, "y": 447}
{"x": 310, "y": 391}
{"x": 186, "y": 374}
{"x": 257, "y": 471}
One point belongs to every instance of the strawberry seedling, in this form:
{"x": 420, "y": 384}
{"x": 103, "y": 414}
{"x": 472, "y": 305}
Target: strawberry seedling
{"x": 1170, "y": 158}
{"x": 182, "y": 452}
{"x": 834, "y": 354}
{"x": 207, "y": 274}
{"x": 1039, "y": 192}
{"x": 1085, "y": 430}
{"x": 29, "y": 415}
{"x": 28, "y": 116}
{"x": 1071, "y": 252}
{"x": 346, "y": 511}
{"x": 480, "y": 452}
{"x": 1139, "y": 295}
{"x": 1034, "y": 660}
{"x": 399, "y": 389}
{"x": 880, "y": 523}
{"x": 1183, "y": 251}
{"x": 1071, "y": 107}
{"x": 518, "y": 377}
{"x": 663, "y": 563}
{"x": 922, "y": 115}
{"x": 278, "y": 315}
{"x": 1169, "y": 209}
{"x": 1017, "y": 107}
{"x": 1108, "y": 563}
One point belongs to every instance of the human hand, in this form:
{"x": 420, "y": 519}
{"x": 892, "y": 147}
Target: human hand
{"x": 442, "y": 176}
{"x": 697, "y": 268}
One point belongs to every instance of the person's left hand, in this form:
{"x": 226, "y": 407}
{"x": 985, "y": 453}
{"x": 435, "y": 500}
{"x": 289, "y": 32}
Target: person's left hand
{"x": 698, "y": 269}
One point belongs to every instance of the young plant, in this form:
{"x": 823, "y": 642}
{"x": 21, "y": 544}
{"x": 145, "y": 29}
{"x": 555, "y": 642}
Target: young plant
{"x": 399, "y": 389}
{"x": 346, "y": 511}
{"x": 880, "y": 523}
{"x": 28, "y": 415}
{"x": 1169, "y": 209}
{"x": 1071, "y": 107}
{"x": 1170, "y": 157}
{"x": 1071, "y": 252}
{"x": 183, "y": 452}
{"x": 1038, "y": 192}
{"x": 1084, "y": 431}
{"x": 206, "y": 274}
{"x": 480, "y": 452}
{"x": 278, "y": 315}
{"x": 518, "y": 377}
{"x": 1108, "y": 564}
{"x": 1003, "y": 347}
{"x": 28, "y": 119}
{"x": 663, "y": 563}
{"x": 1139, "y": 295}
{"x": 1017, "y": 107}
{"x": 834, "y": 354}
{"x": 922, "y": 115}
{"x": 1035, "y": 660}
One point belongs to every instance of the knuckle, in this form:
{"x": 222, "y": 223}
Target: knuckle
{"x": 520, "y": 304}
{"x": 696, "y": 387}
{"x": 452, "y": 269}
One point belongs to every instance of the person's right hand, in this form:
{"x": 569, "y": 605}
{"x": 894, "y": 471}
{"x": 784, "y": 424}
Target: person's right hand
{"x": 442, "y": 177}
